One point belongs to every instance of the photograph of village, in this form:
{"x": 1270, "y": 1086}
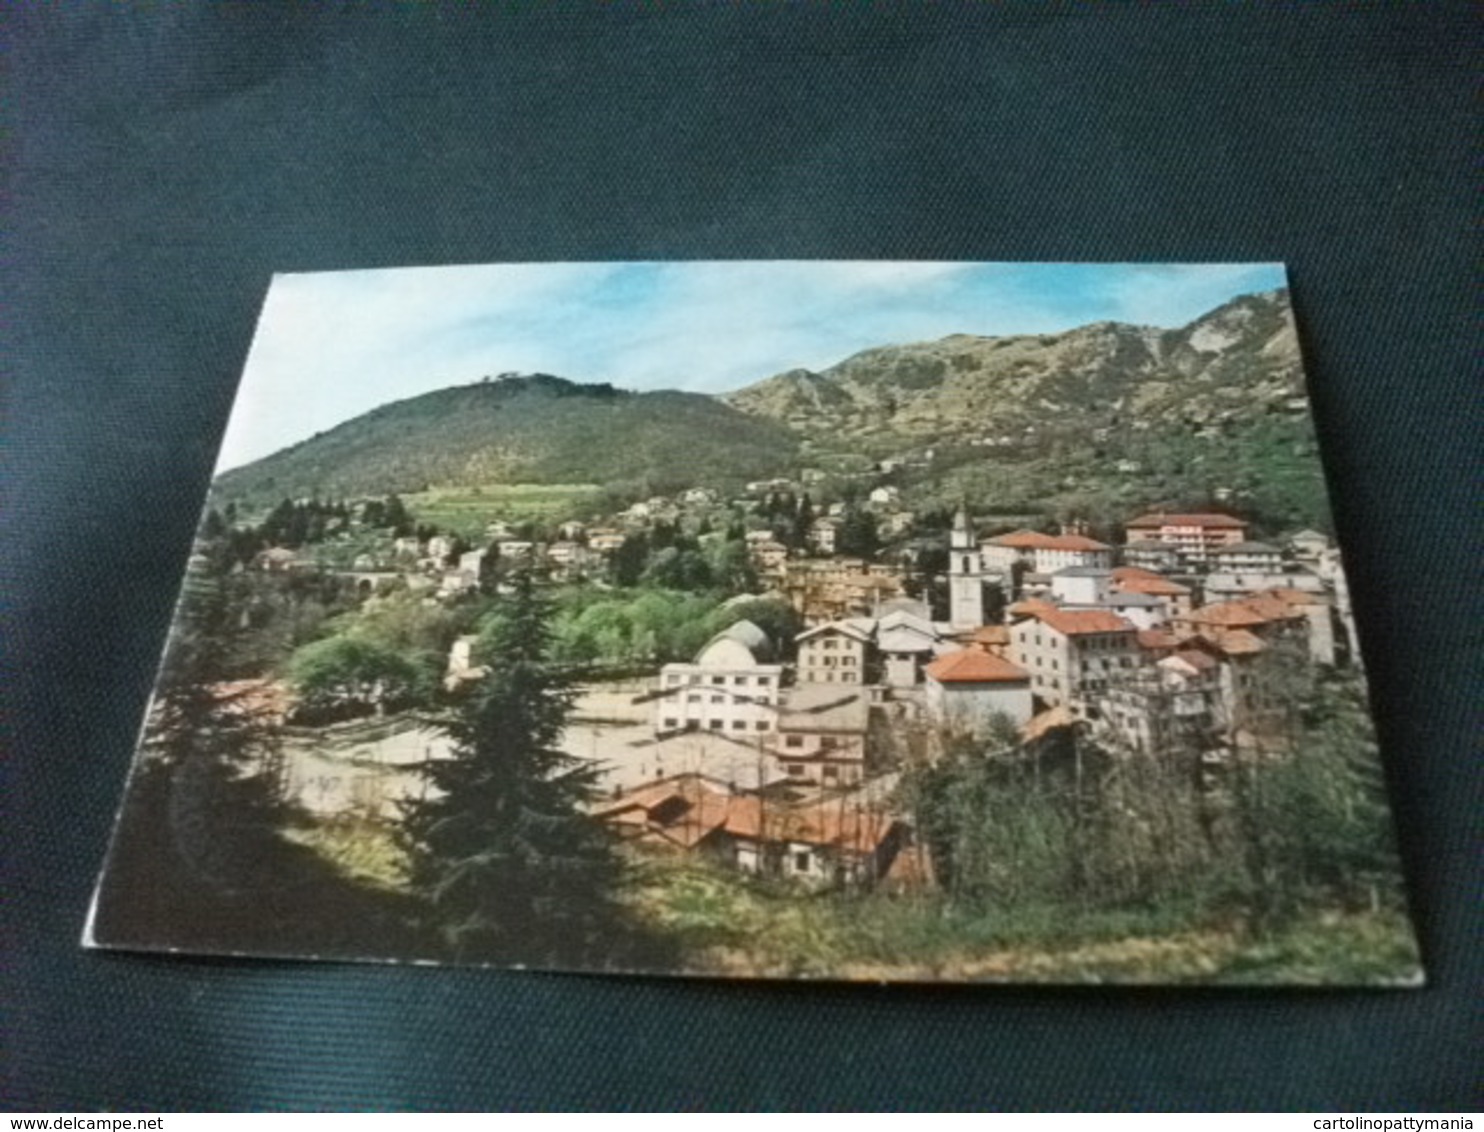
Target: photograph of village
{"x": 868, "y": 621}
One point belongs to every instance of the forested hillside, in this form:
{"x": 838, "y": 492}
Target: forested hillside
{"x": 538, "y": 429}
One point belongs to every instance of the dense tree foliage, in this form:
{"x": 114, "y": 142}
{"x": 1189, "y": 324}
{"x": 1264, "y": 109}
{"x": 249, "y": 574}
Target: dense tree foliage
{"x": 1265, "y": 836}
{"x": 507, "y": 862}
{"x": 200, "y": 858}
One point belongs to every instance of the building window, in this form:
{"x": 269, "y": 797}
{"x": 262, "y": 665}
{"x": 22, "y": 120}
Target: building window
{"x": 763, "y": 681}
{"x": 831, "y": 772}
{"x": 740, "y": 681}
{"x": 793, "y": 741}
{"x": 739, "y": 725}
{"x": 796, "y": 770}
{"x": 671, "y": 724}
{"x": 718, "y": 679}
{"x": 761, "y": 725}
{"x": 801, "y": 862}
{"x": 718, "y": 699}
{"x": 672, "y": 679}
{"x": 693, "y": 698}
{"x": 714, "y": 724}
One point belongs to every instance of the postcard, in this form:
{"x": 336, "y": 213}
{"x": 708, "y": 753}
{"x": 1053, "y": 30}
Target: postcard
{"x": 886, "y": 621}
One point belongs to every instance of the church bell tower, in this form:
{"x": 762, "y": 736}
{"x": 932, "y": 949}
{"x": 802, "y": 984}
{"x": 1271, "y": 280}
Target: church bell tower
{"x": 965, "y": 575}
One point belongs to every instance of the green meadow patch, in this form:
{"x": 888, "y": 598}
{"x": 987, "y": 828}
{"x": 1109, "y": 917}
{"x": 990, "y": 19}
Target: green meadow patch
{"x": 466, "y": 510}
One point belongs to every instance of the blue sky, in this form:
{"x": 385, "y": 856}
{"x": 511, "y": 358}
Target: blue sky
{"x": 332, "y": 345}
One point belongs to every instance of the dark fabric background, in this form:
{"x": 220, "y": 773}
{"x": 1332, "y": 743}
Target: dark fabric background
{"x": 163, "y": 162}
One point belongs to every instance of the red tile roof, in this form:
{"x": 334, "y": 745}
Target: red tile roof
{"x": 1030, "y": 607}
{"x": 988, "y": 636}
{"x": 1036, "y": 540}
{"x": 1021, "y": 540}
{"x": 1201, "y": 662}
{"x": 1130, "y": 579}
{"x": 1259, "y": 609}
{"x": 686, "y": 809}
{"x": 1074, "y": 542}
{"x": 1194, "y": 519}
{"x": 975, "y": 666}
{"x": 1074, "y": 622}
{"x": 1239, "y": 642}
{"x": 1157, "y": 639}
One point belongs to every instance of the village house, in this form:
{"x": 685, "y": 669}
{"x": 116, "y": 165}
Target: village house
{"x": 818, "y": 842}
{"x": 278, "y": 558}
{"x": 1266, "y": 616}
{"x": 605, "y": 541}
{"x": 1174, "y": 597}
{"x": 895, "y": 524}
{"x": 514, "y": 549}
{"x": 834, "y": 653}
{"x": 821, "y": 735}
{"x": 1309, "y": 545}
{"x": 763, "y": 487}
{"x": 471, "y": 561}
{"x": 566, "y": 552}
{"x": 440, "y": 547}
{"x": 455, "y": 583}
{"x": 1308, "y": 598}
{"x": 967, "y": 688}
{"x": 567, "y": 557}
{"x": 824, "y": 533}
{"x": 906, "y": 640}
{"x": 731, "y": 686}
{"x": 1194, "y": 537}
{"x": 838, "y": 588}
{"x": 1081, "y": 585}
{"x": 1332, "y": 571}
{"x": 461, "y": 668}
{"x": 1149, "y": 556}
{"x": 1073, "y": 655}
{"x": 1246, "y": 557}
{"x": 1174, "y": 704}
{"x": 1043, "y": 553}
{"x": 768, "y": 556}
{"x": 1085, "y": 587}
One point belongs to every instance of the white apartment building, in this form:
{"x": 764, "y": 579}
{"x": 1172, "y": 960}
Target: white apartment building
{"x": 729, "y": 687}
{"x": 1072, "y": 656}
{"x": 834, "y": 653}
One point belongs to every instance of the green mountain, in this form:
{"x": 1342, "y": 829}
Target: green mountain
{"x": 1241, "y": 357}
{"x": 1093, "y": 420}
{"x": 537, "y": 429}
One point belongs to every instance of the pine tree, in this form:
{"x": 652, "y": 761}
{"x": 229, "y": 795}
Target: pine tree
{"x": 198, "y": 838}
{"x": 507, "y": 862}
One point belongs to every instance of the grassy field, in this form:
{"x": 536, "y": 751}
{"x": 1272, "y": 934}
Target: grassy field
{"x": 729, "y": 925}
{"x": 465, "y": 510}
{"x": 717, "y": 922}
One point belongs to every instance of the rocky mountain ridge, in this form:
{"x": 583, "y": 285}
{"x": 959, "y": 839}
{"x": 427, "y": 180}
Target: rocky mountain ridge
{"x": 1240, "y": 358}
